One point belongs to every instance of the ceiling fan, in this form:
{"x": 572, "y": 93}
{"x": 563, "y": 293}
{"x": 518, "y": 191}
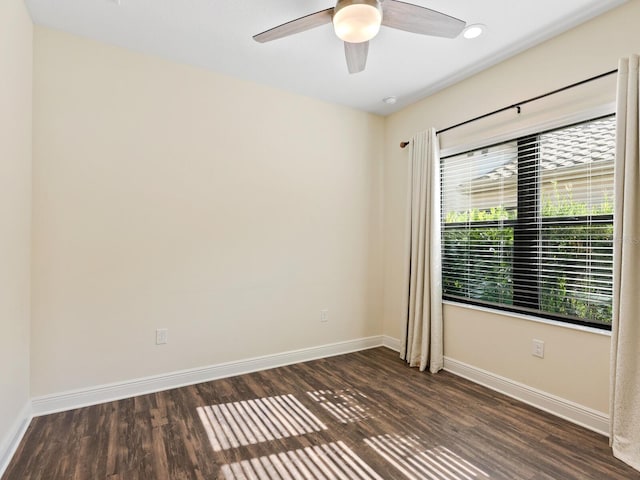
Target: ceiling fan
{"x": 358, "y": 21}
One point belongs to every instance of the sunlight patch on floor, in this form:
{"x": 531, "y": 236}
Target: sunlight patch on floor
{"x": 230, "y": 425}
{"x": 345, "y": 405}
{"x": 321, "y": 462}
{"x": 407, "y": 455}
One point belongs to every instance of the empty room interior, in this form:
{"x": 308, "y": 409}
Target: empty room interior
{"x": 239, "y": 243}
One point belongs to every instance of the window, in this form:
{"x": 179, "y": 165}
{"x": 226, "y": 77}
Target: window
{"x": 527, "y": 225}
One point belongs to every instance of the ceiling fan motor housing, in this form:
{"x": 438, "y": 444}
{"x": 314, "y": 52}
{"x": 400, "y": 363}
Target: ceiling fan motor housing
{"x": 357, "y": 21}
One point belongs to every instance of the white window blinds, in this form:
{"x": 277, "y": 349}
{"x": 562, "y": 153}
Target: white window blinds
{"x": 528, "y": 224}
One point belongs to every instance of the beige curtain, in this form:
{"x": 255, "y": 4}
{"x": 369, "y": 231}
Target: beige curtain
{"x": 625, "y": 339}
{"x": 422, "y": 342}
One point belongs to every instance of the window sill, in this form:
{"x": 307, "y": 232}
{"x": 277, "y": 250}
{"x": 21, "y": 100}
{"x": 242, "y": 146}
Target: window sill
{"x": 531, "y": 318}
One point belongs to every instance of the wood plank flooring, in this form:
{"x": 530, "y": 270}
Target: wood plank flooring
{"x": 361, "y": 416}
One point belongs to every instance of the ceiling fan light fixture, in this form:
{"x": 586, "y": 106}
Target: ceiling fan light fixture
{"x": 357, "y": 21}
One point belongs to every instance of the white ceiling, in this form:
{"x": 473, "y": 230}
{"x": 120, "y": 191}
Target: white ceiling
{"x": 217, "y": 35}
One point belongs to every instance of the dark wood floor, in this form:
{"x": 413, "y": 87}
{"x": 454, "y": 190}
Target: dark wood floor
{"x": 359, "y": 416}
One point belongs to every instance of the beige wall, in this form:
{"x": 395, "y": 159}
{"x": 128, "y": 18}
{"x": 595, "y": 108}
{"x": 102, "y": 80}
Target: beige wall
{"x": 168, "y": 196}
{"x": 576, "y": 364}
{"x": 15, "y": 211}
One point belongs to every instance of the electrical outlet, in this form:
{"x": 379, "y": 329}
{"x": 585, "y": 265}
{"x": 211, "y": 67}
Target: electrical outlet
{"x": 324, "y": 315}
{"x": 537, "y": 348}
{"x": 162, "y": 336}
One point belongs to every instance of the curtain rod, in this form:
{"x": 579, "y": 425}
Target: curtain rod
{"x": 518, "y": 105}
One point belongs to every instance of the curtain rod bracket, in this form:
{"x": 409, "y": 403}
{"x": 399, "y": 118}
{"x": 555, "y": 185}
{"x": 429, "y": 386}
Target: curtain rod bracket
{"x": 404, "y": 144}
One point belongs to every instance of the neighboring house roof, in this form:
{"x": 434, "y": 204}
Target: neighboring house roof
{"x": 561, "y": 149}
{"x": 587, "y": 143}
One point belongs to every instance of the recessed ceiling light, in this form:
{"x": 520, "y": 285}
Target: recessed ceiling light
{"x": 390, "y": 100}
{"x": 474, "y": 31}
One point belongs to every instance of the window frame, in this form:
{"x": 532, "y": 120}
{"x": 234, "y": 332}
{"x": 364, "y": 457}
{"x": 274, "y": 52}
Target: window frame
{"x": 522, "y": 262}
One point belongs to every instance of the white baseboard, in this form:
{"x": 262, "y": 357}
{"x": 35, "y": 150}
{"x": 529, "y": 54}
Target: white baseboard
{"x": 391, "y": 343}
{"x": 573, "y": 412}
{"x": 116, "y": 391}
{"x": 10, "y": 442}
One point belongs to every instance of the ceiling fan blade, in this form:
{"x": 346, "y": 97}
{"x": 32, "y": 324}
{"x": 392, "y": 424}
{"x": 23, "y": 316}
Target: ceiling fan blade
{"x": 296, "y": 26}
{"x": 416, "y": 19}
{"x": 356, "y": 54}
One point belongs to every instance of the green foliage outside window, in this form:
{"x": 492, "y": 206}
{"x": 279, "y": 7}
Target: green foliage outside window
{"x": 576, "y": 266}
